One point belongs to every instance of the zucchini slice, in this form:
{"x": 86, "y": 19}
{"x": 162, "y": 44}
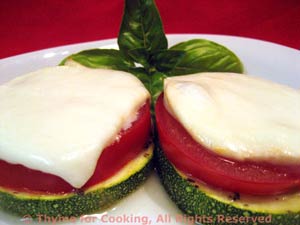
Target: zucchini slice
{"x": 96, "y": 198}
{"x": 222, "y": 207}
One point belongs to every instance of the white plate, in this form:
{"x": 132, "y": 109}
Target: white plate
{"x": 271, "y": 61}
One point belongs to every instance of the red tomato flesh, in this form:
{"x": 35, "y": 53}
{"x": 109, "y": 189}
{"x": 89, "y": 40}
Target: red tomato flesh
{"x": 129, "y": 145}
{"x": 203, "y": 165}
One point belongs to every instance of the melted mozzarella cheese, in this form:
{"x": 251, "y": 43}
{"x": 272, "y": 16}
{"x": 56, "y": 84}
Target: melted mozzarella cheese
{"x": 238, "y": 116}
{"x": 59, "y": 119}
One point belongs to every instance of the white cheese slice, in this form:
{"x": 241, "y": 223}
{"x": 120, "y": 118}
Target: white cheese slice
{"x": 59, "y": 119}
{"x": 238, "y": 116}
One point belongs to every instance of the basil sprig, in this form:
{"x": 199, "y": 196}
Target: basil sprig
{"x": 143, "y": 51}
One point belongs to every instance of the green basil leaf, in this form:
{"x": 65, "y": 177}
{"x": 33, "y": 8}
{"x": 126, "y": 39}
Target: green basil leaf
{"x": 153, "y": 83}
{"x": 157, "y": 85}
{"x": 166, "y": 60}
{"x": 141, "y": 28}
{"x": 205, "y": 56}
{"x": 100, "y": 58}
{"x": 140, "y": 55}
{"x": 142, "y": 75}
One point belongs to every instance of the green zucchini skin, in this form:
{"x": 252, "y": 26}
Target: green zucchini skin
{"x": 190, "y": 199}
{"x": 76, "y": 204}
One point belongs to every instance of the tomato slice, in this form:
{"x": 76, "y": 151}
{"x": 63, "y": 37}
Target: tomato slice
{"x": 203, "y": 165}
{"x": 130, "y": 143}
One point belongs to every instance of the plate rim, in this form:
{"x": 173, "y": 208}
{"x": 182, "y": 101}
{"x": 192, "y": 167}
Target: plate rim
{"x": 172, "y": 35}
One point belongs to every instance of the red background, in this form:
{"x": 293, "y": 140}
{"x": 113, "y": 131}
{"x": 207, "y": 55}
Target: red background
{"x": 27, "y": 25}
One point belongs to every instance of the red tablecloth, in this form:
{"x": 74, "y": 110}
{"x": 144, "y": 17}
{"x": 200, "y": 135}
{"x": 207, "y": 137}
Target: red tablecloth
{"x": 27, "y": 25}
